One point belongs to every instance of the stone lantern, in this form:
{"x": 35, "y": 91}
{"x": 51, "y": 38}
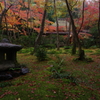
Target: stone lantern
{"x": 8, "y": 53}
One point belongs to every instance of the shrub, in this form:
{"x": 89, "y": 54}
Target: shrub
{"x": 57, "y": 66}
{"x": 50, "y": 41}
{"x": 88, "y": 42}
{"x": 53, "y": 51}
{"x": 41, "y": 54}
{"x": 94, "y": 31}
{"x": 67, "y": 47}
{"x": 25, "y": 41}
{"x": 50, "y": 46}
{"x": 57, "y": 70}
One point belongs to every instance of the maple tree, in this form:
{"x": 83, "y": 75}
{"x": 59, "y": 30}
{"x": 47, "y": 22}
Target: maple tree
{"x": 27, "y": 15}
{"x": 91, "y": 12}
{"x": 3, "y": 11}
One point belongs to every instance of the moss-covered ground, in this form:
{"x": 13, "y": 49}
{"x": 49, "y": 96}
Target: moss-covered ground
{"x": 37, "y": 85}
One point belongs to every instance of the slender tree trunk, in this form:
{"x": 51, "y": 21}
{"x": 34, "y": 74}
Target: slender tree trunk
{"x": 1, "y": 18}
{"x": 74, "y": 40}
{"x": 57, "y": 25}
{"x": 69, "y": 32}
{"x": 3, "y": 14}
{"x": 38, "y": 39}
{"x": 82, "y": 17}
{"x": 81, "y": 52}
{"x": 74, "y": 45}
{"x": 6, "y": 24}
{"x": 28, "y": 11}
{"x": 99, "y": 21}
{"x": 7, "y": 27}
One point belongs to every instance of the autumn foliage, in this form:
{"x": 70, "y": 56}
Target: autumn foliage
{"x": 91, "y": 15}
{"x": 23, "y": 16}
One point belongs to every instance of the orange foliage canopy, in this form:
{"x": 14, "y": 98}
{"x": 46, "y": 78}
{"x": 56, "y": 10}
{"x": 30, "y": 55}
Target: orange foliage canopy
{"x": 13, "y": 21}
{"x": 20, "y": 15}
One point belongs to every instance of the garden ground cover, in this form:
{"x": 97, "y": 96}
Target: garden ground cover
{"x": 38, "y": 85}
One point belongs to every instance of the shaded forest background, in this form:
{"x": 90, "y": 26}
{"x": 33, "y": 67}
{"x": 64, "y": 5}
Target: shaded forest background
{"x": 31, "y": 23}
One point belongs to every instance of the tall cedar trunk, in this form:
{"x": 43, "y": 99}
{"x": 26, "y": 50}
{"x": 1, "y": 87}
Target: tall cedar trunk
{"x": 81, "y": 52}
{"x": 38, "y": 39}
{"x": 57, "y": 25}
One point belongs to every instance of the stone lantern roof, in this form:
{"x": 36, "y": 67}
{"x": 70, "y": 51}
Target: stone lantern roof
{"x": 6, "y": 45}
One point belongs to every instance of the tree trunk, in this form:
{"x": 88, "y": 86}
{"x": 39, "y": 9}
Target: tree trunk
{"x": 6, "y": 24}
{"x": 82, "y": 17}
{"x": 1, "y": 18}
{"x": 74, "y": 45}
{"x": 69, "y": 32}
{"x": 81, "y": 54}
{"x": 28, "y": 12}
{"x": 99, "y": 20}
{"x": 57, "y": 25}
{"x": 38, "y": 39}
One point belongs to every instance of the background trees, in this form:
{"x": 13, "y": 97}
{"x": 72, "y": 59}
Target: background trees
{"x": 25, "y": 18}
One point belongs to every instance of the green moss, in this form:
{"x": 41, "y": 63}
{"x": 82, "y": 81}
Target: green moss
{"x": 37, "y": 85}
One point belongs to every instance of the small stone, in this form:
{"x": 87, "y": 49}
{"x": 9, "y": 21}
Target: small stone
{"x": 24, "y": 70}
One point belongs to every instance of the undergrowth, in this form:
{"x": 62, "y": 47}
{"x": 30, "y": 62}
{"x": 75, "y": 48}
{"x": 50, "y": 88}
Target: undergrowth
{"x": 42, "y": 84}
{"x": 57, "y": 69}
